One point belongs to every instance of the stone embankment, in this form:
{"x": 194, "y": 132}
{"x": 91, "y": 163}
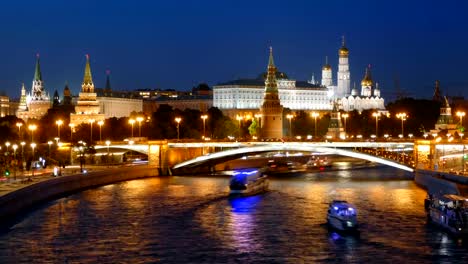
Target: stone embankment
{"x": 21, "y": 199}
{"x": 436, "y": 182}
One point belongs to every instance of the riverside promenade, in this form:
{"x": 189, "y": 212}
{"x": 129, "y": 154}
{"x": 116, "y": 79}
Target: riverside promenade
{"x": 18, "y": 195}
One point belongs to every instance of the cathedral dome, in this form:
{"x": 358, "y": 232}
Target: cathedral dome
{"x": 343, "y": 51}
{"x": 326, "y": 67}
{"x": 367, "y": 81}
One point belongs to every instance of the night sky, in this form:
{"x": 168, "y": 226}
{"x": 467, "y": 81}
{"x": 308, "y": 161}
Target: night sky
{"x": 178, "y": 44}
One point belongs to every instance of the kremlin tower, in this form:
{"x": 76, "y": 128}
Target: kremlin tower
{"x": 37, "y": 103}
{"x": 87, "y": 107}
{"x": 271, "y": 109}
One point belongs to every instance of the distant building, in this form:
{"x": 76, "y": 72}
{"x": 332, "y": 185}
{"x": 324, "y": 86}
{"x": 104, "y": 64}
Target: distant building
{"x": 445, "y": 121}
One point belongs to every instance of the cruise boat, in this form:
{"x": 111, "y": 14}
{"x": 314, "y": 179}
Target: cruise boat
{"x": 248, "y": 182}
{"x": 342, "y": 216}
{"x": 449, "y": 211}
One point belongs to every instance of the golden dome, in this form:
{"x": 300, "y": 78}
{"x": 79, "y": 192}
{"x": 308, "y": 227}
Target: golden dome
{"x": 326, "y": 67}
{"x": 367, "y": 81}
{"x": 343, "y": 51}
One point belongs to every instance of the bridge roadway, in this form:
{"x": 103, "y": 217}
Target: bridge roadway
{"x": 144, "y": 148}
{"x": 160, "y": 154}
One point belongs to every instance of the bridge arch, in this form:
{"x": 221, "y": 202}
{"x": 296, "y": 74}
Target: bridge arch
{"x": 236, "y": 153}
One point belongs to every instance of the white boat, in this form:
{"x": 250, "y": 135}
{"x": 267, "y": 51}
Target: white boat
{"x": 449, "y": 211}
{"x": 248, "y": 182}
{"x": 342, "y": 216}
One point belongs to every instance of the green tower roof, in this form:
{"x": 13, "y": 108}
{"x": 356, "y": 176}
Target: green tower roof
{"x": 88, "y": 78}
{"x": 37, "y": 72}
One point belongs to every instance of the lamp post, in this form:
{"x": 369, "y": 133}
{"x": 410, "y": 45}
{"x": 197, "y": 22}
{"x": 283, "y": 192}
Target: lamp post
{"x": 59, "y": 123}
{"x": 19, "y": 125}
{"x": 460, "y": 114}
{"x": 131, "y": 122}
{"x": 139, "y": 119}
{"x": 315, "y": 115}
{"x": 33, "y": 146}
{"x": 50, "y": 144}
{"x": 7, "y": 144}
{"x": 100, "y": 123}
{"x": 178, "y": 119}
{"x": 239, "y": 120}
{"x": 376, "y": 115}
{"x": 108, "y": 143}
{"x": 91, "y": 121}
{"x": 204, "y": 117}
{"x": 32, "y": 128}
{"x": 403, "y": 117}
{"x": 345, "y": 116}
{"x": 72, "y": 127}
{"x": 289, "y": 116}
{"x": 16, "y": 162}
{"x": 22, "y": 150}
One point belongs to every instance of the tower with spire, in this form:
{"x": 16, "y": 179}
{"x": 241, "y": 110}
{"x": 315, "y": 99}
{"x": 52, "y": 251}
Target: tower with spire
{"x": 437, "y": 93}
{"x": 87, "y": 108}
{"x": 344, "y": 81}
{"x": 23, "y": 106}
{"x": 271, "y": 109}
{"x": 108, "y": 89}
{"x": 38, "y": 102}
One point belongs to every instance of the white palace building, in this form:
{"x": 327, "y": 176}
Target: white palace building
{"x": 247, "y": 94}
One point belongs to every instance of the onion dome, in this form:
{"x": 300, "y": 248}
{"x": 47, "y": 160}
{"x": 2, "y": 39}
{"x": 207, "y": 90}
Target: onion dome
{"x": 327, "y": 66}
{"x": 367, "y": 81}
{"x": 343, "y": 51}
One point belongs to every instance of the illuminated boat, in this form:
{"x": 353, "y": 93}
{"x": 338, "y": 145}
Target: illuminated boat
{"x": 248, "y": 182}
{"x": 449, "y": 211}
{"x": 342, "y": 216}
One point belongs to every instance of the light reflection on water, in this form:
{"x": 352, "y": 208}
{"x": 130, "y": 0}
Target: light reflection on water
{"x": 190, "y": 219}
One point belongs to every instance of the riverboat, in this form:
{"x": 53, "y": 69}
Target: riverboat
{"x": 342, "y": 216}
{"x": 248, "y": 182}
{"x": 449, "y": 211}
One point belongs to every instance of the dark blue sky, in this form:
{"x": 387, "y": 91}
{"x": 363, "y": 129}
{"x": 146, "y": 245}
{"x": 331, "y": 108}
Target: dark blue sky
{"x": 178, "y": 44}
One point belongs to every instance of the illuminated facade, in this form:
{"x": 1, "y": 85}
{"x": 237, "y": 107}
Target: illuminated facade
{"x": 87, "y": 107}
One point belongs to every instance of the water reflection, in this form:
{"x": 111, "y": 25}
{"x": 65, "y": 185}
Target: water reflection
{"x": 242, "y": 223}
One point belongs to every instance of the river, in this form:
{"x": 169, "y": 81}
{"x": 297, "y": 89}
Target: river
{"x": 191, "y": 220}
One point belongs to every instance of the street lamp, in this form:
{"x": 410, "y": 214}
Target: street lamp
{"x": 460, "y": 114}
{"x": 131, "y": 122}
{"x": 100, "y": 123}
{"x": 91, "y": 121}
{"x": 376, "y": 115}
{"x": 345, "y": 116}
{"x": 239, "y": 119}
{"x": 50, "y": 144}
{"x": 108, "y": 143}
{"x": 403, "y": 117}
{"x": 178, "y": 119}
{"x": 59, "y": 123}
{"x": 19, "y": 125}
{"x": 204, "y": 117}
{"x": 33, "y": 145}
{"x": 315, "y": 115}
{"x": 289, "y": 116}
{"x": 7, "y": 144}
{"x": 139, "y": 119}
{"x": 72, "y": 127}
{"x": 16, "y": 162}
{"x": 32, "y": 128}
